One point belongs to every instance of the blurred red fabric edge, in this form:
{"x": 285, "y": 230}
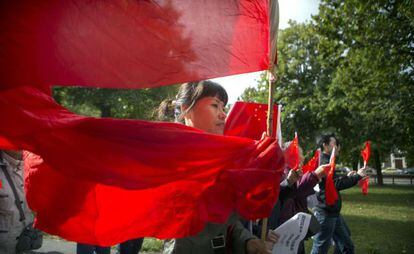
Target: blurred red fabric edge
{"x": 130, "y": 44}
{"x": 103, "y": 181}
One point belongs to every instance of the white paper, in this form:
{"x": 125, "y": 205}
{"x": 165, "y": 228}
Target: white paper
{"x": 291, "y": 233}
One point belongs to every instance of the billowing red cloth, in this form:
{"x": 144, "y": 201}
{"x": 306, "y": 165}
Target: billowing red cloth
{"x": 291, "y": 154}
{"x": 103, "y": 181}
{"x": 365, "y": 153}
{"x": 249, "y": 119}
{"x": 330, "y": 190}
{"x": 131, "y": 43}
{"x": 313, "y": 163}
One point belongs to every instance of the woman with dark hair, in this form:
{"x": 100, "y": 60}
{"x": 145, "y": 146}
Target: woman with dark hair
{"x": 201, "y": 105}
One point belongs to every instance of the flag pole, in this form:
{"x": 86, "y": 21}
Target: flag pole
{"x": 272, "y": 83}
{"x": 274, "y": 26}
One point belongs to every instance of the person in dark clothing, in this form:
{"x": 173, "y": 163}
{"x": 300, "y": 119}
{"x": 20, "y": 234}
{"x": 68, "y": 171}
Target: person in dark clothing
{"x": 333, "y": 225}
{"x": 293, "y": 193}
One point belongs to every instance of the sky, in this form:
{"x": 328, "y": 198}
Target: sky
{"x": 298, "y": 10}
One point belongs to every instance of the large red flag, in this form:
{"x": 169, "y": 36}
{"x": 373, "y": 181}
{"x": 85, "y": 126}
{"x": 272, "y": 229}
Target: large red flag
{"x": 131, "y": 43}
{"x": 291, "y": 154}
{"x": 313, "y": 163}
{"x": 365, "y": 153}
{"x": 167, "y": 179}
{"x": 330, "y": 190}
{"x": 103, "y": 181}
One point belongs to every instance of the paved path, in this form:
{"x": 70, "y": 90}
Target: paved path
{"x": 57, "y": 246}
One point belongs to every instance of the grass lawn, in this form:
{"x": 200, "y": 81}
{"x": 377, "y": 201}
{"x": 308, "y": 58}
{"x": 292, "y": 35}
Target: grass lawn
{"x": 381, "y": 222}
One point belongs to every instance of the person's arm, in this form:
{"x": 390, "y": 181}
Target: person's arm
{"x": 240, "y": 237}
{"x": 305, "y": 185}
{"x": 309, "y": 180}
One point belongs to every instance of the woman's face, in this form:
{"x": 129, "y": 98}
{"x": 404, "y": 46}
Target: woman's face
{"x": 208, "y": 115}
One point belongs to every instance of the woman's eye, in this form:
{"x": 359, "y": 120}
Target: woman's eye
{"x": 214, "y": 105}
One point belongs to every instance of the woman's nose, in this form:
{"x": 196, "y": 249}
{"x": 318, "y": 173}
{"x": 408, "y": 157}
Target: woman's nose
{"x": 222, "y": 115}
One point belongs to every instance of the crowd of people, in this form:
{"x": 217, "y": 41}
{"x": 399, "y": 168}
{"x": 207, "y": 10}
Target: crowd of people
{"x": 202, "y": 105}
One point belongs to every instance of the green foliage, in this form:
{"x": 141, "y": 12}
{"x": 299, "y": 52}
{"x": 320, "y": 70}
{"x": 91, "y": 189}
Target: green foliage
{"x": 119, "y": 103}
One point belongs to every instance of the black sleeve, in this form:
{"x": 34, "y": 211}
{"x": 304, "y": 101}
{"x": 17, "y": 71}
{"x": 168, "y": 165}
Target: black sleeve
{"x": 345, "y": 182}
{"x": 286, "y": 191}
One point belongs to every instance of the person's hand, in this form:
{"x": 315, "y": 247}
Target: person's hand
{"x": 293, "y": 176}
{"x": 272, "y": 237}
{"x": 362, "y": 172}
{"x": 258, "y": 246}
{"x": 351, "y": 173}
{"x": 321, "y": 171}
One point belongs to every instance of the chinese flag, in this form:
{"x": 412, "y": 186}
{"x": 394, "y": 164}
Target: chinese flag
{"x": 313, "y": 163}
{"x": 365, "y": 153}
{"x": 291, "y": 154}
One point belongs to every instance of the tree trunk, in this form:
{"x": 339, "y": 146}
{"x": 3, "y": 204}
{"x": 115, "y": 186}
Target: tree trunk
{"x": 377, "y": 161}
{"x": 105, "y": 111}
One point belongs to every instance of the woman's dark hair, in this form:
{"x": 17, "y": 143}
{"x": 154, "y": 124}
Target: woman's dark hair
{"x": 188, "y": 95}
{"x": 325, "y": 139}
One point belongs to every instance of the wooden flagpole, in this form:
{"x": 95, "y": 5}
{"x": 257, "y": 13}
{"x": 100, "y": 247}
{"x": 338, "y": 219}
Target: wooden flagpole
{"x": 272, "y": 84}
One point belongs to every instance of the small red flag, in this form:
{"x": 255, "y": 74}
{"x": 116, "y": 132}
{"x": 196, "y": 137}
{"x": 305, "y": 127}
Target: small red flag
{"x": 313, "y": 163}
{"x": 330, "y": 191}
{"x": 365, "y": 153}
{"x": 292, "y": 154}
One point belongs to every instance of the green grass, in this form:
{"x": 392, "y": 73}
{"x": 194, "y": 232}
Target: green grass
{"x": 381, "y": 222}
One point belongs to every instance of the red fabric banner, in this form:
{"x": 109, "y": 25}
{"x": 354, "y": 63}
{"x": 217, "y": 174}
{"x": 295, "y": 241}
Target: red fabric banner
{"x": 103, "y": 181}
{"x": 292, "y": 154}
{"x": 249, "y": 119}
{"x": 131, "y": 43}
{"x": 313, "y": 163}
{"x": 330, "y": 190}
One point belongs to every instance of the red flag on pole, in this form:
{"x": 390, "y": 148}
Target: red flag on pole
{"x": 131, "y": 43}
{"x": 313, "y": 163}
{"x": 365, "y": 153}
{"x": 291, "y": 154}
{"x": 330, "y": 190}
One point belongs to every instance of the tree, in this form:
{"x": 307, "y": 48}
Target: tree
{"x": 119, "y": 103}
{"x": 350, "y": 70}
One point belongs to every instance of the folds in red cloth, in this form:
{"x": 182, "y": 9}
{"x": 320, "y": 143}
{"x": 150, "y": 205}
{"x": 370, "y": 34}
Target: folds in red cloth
{"x": 103, "y": 181}
{"x": 313, "y": 163}
{"x": 248, "y": 119}
{"x": 291, "y": 154}
{"x": 131, "y": 43}
{"x": 330, "y": 190}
